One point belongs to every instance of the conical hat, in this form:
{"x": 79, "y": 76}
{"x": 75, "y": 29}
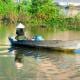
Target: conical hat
{"x": 20, "y": 25}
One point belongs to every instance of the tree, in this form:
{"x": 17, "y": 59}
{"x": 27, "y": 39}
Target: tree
{"x": 44, "y": 10}
{"x": 7, "y": 9}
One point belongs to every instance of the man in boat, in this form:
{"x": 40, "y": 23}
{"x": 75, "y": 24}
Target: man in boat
{"x": 20, "y": 35}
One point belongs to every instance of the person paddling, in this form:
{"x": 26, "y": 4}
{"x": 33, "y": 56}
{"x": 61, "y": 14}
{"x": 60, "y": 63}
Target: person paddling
{"x": 20, "y": 35}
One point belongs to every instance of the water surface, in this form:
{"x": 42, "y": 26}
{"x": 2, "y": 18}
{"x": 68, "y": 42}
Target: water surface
{"x": 30, "y": 64}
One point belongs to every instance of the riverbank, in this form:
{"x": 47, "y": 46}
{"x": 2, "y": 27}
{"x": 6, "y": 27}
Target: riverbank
{"x": 61, "y": 24}
{"x": 33, "y": 14}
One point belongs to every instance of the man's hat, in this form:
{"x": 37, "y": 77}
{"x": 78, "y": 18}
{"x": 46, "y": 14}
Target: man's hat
{"x": 20, "y": 25}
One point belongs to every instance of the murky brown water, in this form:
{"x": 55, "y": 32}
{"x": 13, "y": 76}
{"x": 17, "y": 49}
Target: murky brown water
{"x": 29, "y": 64}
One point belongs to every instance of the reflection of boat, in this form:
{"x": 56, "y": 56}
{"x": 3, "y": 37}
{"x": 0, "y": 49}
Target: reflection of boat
{"x": 48, "y": 44}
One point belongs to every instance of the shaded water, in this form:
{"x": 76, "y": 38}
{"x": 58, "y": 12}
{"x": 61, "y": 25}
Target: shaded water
{"x": 30, "y": 64}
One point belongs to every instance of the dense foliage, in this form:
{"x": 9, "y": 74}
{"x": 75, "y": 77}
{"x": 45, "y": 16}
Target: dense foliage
{"x": 38, "y": 9}
{"x": 38, "y": 13}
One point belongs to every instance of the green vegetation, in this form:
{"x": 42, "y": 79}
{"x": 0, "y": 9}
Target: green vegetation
{"x": 7, "y": 10}
{"x": 37, "y": 13}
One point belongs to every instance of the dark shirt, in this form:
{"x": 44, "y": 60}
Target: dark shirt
{"x": 20, "y": 32}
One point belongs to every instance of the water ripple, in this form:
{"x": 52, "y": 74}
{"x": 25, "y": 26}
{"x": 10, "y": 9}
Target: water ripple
{"x": 44, "y": 65}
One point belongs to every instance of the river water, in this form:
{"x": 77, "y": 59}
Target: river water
{"x": 37, "y": 64}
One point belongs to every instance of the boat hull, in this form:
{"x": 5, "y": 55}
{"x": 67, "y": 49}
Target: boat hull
{"x": 47, "y": 44}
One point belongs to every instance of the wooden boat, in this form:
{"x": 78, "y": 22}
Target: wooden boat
{"x": 48, "y": 44}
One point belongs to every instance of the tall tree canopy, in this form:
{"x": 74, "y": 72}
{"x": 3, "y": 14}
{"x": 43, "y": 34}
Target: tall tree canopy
{"x": 44, "y": 8}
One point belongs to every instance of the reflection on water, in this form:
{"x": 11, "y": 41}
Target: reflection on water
{"x": 29, "y": 64}
{"x": 19, "y": 59}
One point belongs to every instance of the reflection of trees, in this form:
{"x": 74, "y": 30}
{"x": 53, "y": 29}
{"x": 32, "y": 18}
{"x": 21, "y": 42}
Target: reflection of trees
{"x": 5, "y": 32}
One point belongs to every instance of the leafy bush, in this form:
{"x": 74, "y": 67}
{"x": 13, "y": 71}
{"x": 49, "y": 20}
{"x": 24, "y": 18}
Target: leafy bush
{"x": 37, "y": 13}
